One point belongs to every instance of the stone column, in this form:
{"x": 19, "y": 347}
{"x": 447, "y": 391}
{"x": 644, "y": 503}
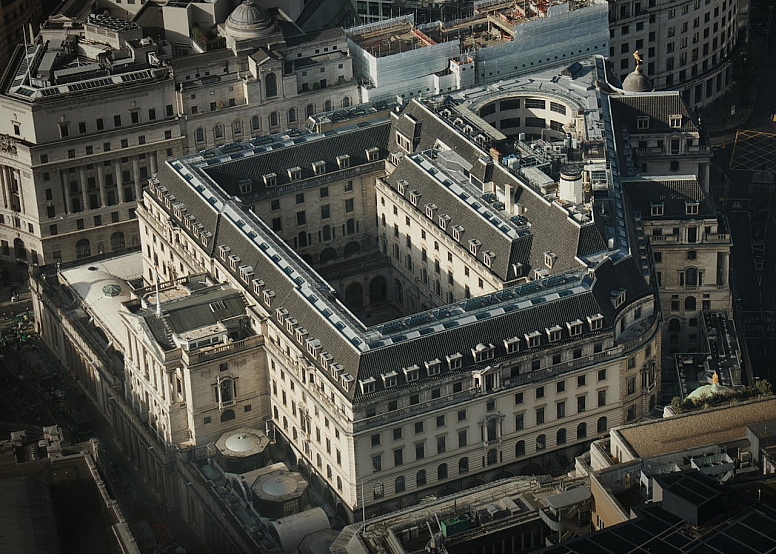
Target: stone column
{"x": 101, "y": 179}
{"x": 4, "y": 184}
{"x": 154, "y": 167}
{"x": 136, "y": 178}
{"x": 117, "y": 177}
{"x": 15, "y": 173}
{"x": 65, "y": 190}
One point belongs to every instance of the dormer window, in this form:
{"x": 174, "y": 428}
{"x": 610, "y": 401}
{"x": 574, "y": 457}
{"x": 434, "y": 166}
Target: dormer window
{"x": 617, "y": 297}
{"x": 295, "y": 173}
{"x": 549, "y": 259}
{"x": 257, "y": 285}
{"x": 325, "y": 359}
{"x": 343, "y": 162}
{"x": 488, "y": 257}
{"x": 657, "y": 209}
{"x": 433, "y": 367}
{"x": 403, "y": 142}
{"x": 458, "y": 232}
{"x": 483, "y": 353}
{"x": 268, "y": 296}
{"x": 474, "y": 246}
{"x": 313, "y": 346}
{"x": 367, "y": 385}
{"x": 246, "y": 273}
{"x": 346, "y": 380}
{"x": 430, "y": 209}
{"x": 281, "y": 314}
{"x": 246, "y": 186}
{"x": 596, "y": 322}
{"x": 554, "y": 333}
{"x": 414, "y": 197}
{"x": 401, "y": 186}
{"x": 291, "y": 324}
{"x": 270, "y": 179}
{"x": 390, "y": 379}
{"x": 223, "y": 251}
{"x": 411, "y": 373}
{"x": 574, "y": 327}
{"x": 373, "y": 154}
{"x": 512, "y": 345}
{"x": 675, "y": 121}
{"x": 233, "y": 261}
{"x": 691, "y": 208}
{"x": 336, "y": 369}
{"x": 319, "y": 168}
{"x": 642, "y": 122}
{"x": 444, "y": 219}
{"x": 395, "y": 157}
{"x": 455, "y": 361}
{"x": 533, "y": 339}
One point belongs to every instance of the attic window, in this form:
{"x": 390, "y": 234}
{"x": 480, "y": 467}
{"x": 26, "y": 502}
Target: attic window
{"x": 390, "y": 379}
{"x": 596, "y": 322}
{"x": 691, "y": 208}
{"x": 343, "y": 162}
{"x": 675, "y": 121}
{"x": 414, "y": 197}
{"x": 301, "y": 334}
{"x": 233, "y": 261}
{"x": 642, "y": 122}
{"x": 455, "y": 361}
{"x": 554, "y": 333}
{"x": 367, "y": 385}
{"x": 617, "y": 297}
{"x": 411, "y": 373}
{"x": 434, "y": 367}
{"x": 223, "y": 251}
{"x": 373, "y": 154}
{"x": 395, "y": 157}
{"x": 246, "y": 185}
{"x": 246, "y": 273}
{"x": 336, "y": 369}
{"x": 258, "y": 284}
{"x": 401, "y": 186}
{"x": 430, "y": 209}
{"x": 217, "y": 306}
{"x": 458, "y": 231}
{"x": 325, "y": 359}
{"x": 483, "y": 353}
{"x": 574, "y": 327}
{"x": 295, "y": 173}
{"x": 474, "y": 245}
{"x": 291, "y": 324}
{"x": 657, "y": 209}
{"x": 268, "y": 296}
{"x": 487, "y": 258}
{"x": 533, "y": 339}
{"x": 550, "y": 258}
{"x": 319, "y": 168}
{"x": 403, "y": 142}
{"x": 313, "y": 346}
{"x": 512, "y": 345}
{"x": 270, "y": 179}
{"x": 281, "y": 314}
{"x": 346, "y": 380}
{"x": 444, "y": 219}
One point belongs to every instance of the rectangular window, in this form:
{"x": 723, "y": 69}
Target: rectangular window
{"x": 539, "y": 416}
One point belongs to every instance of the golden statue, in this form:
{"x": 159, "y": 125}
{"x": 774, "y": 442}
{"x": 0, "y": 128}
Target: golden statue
{"x": 638, "y": 58}
{"x": 715, "y": 379}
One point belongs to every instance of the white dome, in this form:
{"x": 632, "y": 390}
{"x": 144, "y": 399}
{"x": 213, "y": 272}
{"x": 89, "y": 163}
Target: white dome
{"x": 242, "y": 442}
{"x": 248, "y": 21}
{"x": 279, "y": 485}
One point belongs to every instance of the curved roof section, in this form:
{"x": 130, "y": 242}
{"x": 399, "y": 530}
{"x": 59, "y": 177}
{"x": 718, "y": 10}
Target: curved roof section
{"x": 249, "y": 21}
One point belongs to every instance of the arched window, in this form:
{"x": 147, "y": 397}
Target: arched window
{"x": 441, "y": 472}
{"x": 346, "y": 102}
{"x": 327, "y": 106}
{"x": 350, "y": 226}
{"x": 302, "y": 239}
{"x": 339, "y": 483}
{"x": 398, "y": 485}
{"x": 420, "y": 478}
{"x": 582, "y": 430}
{"x": 292, "y": 115}
{"x": 602, "y": 425}
{"x": 492, "y": 456}
{"x": 199, "y": 134}
{"x": 689, "y": 303}
{"x": 560, "y": 437}
{"x": 83, "y": 249}
{"x": 285, "y": 423}
{"x": 398, "y": 291}
{"x": 275, "y": 412}
{"x": 226, "y": 390}
{"x": 117, "y": 241}
{"x": 520, "y": 448}
{"x": 541, "y": 442}
{"x": 237, "y": 127}
{"x": 271, "y": 85}
{"x": 274, "y": 120}
{"x": 255, "y": 123}
{"x": 463, "y": 465}
{"x": 691, "y": 276}
{"x": 218, "y": 131}
{"x": 326, "y": 232}
{"x": 309, "y": 110}
{"x": 227, "y": 415}
{"x": 674, "y": 325}
{"x": 294, "y": 433}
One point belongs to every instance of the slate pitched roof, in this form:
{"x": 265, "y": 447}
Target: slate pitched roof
{"x": 672, "y": 193}
{"x": 658, "y": 107}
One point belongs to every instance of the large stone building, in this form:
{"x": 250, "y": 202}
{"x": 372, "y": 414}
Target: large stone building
{"x": 93, "y": 107}
{"x": 434, "y": 303}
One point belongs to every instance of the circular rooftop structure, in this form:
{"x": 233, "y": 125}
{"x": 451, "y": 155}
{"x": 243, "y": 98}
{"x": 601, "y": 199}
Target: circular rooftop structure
{"x": 279, "y": 485}
{"x": 249, "y": 21}
{"x": 242, "y": 449}
{"x": 636, "y": 81}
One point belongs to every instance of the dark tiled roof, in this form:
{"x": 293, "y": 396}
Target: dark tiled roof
{"x": 658, "y": 107}
{"x": 279, "y": 157}
{"x": 201, "y": 60}
{"x": 672, "y": 193}
{"x": 323, "y": 35}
